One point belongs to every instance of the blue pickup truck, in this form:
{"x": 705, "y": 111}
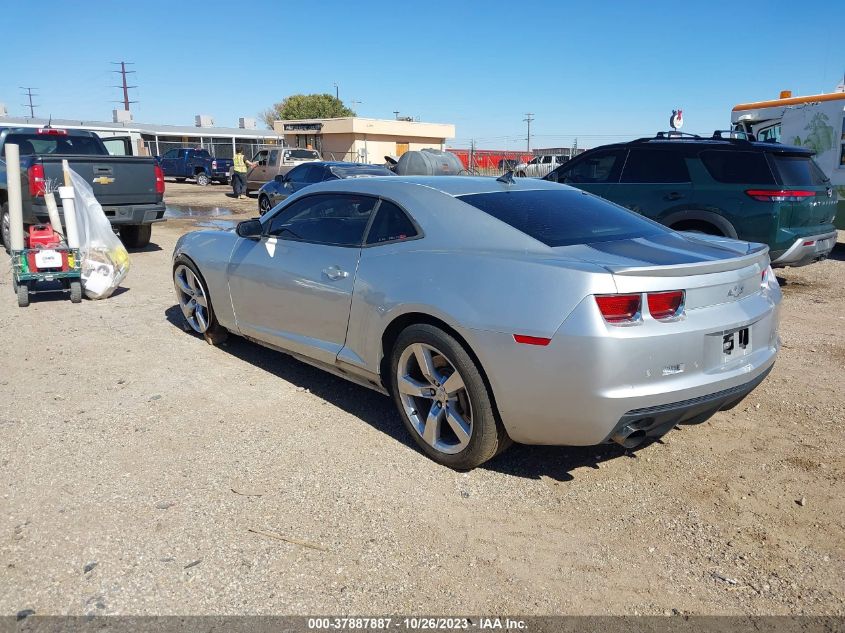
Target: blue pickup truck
{"x": 182, "y": 163}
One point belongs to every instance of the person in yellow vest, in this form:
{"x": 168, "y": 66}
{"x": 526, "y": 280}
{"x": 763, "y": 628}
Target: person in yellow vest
{"x": 239, "y": 170}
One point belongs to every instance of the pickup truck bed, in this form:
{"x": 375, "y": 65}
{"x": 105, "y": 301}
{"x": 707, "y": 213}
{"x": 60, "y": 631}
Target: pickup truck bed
{"x": 130, "y": 188}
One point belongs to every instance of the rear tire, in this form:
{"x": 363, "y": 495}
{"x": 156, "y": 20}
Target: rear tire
{"x": 136, "y": 235}
{"x": 202, "y": 179}
{"x": 23, "y": 295}
{"x": 76, "y": 291}
{"x": 263, "y": 204}
{"x": 465, "y": 430}
{"x": 697, "y": 226}
{"x": 6, "y": 227}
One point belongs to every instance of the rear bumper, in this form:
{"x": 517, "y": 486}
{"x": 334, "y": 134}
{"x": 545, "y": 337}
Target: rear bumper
{"x": 806, "y": 250}
{"x": 117, "y": 215}
{"x": 657, "y": 421}
{"x": 593, "y": 376}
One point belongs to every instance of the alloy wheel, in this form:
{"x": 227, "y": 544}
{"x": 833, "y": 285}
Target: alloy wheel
{"x": 435, "y": 398}
{"x": 192, "y": 298}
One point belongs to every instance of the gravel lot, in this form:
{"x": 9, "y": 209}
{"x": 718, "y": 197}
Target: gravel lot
{"x": 135, "y": 460}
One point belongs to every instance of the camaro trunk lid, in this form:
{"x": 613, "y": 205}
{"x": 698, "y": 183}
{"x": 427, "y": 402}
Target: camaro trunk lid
{"x": 711, "y": 270}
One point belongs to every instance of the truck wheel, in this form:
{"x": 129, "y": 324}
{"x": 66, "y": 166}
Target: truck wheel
{"x": 136, "y": 235}
{"x": 76, "y": 291}
{"x": 6, "y": 227}
{"x": 23, "y": 295}
{"x": 202, "y": 179}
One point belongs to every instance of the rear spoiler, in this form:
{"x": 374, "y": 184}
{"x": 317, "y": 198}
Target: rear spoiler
{"x": 755, "y": 254}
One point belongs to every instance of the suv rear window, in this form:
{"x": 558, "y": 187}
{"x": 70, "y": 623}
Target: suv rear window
{"x": 798, "y": 171}
{"x": 564, "y": 217}
{"x": 655, "y": 166}
{"x": 738, "y": 167}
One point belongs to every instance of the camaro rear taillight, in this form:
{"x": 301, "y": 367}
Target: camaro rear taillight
{"x": 627, "y": 309}
{"x": 619, "y": 309}
{"x": 780, "y": 195}
{"x": 159, "y": 174}
{"x": 665, "y": 305}
{"x": 36, "y": 180}
{"x": 767, "y": 274}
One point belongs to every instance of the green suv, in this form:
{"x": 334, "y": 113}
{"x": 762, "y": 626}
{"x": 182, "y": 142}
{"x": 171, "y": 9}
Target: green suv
{"x": 755, "y": 191}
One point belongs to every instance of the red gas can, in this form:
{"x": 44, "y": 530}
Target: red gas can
{"x": 43, "y": 240}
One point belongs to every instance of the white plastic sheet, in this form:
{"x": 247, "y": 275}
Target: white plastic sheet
{"x": 104, "y": 258}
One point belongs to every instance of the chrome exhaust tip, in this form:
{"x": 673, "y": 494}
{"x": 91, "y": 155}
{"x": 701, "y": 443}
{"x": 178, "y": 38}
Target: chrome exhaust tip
{"x": 628, "y": 436}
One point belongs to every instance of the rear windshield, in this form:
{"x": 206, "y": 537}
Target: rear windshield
{"x": 738, "y": 167}
{"x": 564, "y": 217}
{"x": 798, "y": 171}
{"x": 49, "y": 144}
{"x": 299, "y": 154}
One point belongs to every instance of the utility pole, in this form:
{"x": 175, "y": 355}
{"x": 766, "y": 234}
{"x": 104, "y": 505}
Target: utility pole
{"x": 31, "y": 105}
{"x": 336, "y": 92}
{"x": 471, "y": 161}
{"x": 123, "y": 72}
{"x": 529, "y": 116}
{"x": 396, "y": 114}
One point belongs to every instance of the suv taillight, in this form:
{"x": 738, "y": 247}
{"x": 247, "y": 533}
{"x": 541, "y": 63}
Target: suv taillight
{"x": 779, "y": 195}
{"x": 36, "y": 180}
{"x": 159, "y": 180}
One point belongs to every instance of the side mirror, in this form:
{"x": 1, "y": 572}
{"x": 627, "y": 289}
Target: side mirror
{"x": 250, "y": 229}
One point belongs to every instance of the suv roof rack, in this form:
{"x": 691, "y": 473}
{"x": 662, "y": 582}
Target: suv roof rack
{"x": 733, "y": 135}
{"x": 665, "y": 136}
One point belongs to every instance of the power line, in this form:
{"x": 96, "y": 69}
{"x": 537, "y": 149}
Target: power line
{"x": 31, "y": 105}
{"x": 123, "y": 72}
{"x": 529, "y": 116}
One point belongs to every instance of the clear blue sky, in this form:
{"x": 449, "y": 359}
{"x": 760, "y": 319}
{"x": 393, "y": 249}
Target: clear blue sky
{"x": 598, "y": 71}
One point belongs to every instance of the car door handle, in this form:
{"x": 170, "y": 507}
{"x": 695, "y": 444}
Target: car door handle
{"x": 674, "y": 195}
{"x": 334, "y": 273}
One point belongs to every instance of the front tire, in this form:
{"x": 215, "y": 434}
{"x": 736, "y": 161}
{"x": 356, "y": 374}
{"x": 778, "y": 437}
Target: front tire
{"x": 136, "y": 235}
{"x": 443, "y": 399}
{"x": 202, "y": 179}
{"x": 195, "y": 303}
{"x": 263, "y": 204}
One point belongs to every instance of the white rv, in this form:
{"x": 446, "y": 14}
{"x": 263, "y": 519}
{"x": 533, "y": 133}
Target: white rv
{"x": 816, "y": 122}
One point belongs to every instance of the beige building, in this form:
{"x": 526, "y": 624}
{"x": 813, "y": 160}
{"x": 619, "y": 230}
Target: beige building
{"x": 363, "y": 140}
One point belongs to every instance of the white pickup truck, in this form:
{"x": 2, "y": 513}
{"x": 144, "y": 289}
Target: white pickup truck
{"x": 271, "y": 162}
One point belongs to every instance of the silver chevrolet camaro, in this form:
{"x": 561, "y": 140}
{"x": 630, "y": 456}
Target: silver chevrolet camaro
{"x": 493, "y": 310}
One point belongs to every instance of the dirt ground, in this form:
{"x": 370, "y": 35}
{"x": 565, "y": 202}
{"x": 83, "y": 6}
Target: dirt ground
{"x": 135, "y": 459}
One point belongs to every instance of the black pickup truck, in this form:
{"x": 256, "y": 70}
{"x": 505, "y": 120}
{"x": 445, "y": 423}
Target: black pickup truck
{"x": 129, "y": 188}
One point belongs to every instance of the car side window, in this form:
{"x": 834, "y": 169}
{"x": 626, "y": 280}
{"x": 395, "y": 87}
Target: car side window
{"x": 296, "y": 174}
{"x": 593, "y": 168}
{"x": 201, "y": 153}
{"x": 390, "y": 224}
{"x": 274, "y": 155}
{"x": 172, "y": 153}
{"x": 260, "y": 158}
{"x": 332, "y": 219}
{"x": 655, "y": 166}
{"x": 546, "y": 160}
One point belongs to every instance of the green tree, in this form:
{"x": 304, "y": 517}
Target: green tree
{"x": 315, "y": 106}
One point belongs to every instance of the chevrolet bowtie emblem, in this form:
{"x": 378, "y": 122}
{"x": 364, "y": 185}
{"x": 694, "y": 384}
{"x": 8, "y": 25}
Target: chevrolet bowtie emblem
{"x": 736, "y": 290}
{"x": 103, "y": 180}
